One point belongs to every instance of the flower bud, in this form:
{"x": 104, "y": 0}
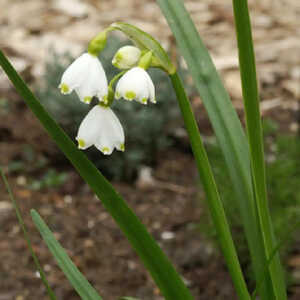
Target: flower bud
{"x": 126, "y": 57}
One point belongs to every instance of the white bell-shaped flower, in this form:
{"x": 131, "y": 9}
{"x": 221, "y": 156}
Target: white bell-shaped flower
{"x": 126, "y": 57}
{"x": 87, "y": 77}
{"x": 137, "y": 85}
{"x": 101, "y": 128}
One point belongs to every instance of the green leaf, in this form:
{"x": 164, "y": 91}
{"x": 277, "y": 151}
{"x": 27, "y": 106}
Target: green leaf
{"x": 255, "y": 137}
{"x": 160, "y": 268}
{"x": 146, "y": 42}
{"x": 225, "y": 122}
{"x": 75, "y": 277}
{"x": 27, "y": 238}
{"x": 285, "y": 238}
{"x": 212, "y": 195}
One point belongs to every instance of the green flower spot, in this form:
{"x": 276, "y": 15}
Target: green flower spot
{"x": 144, "y": 100}
{"x": 81, "y": 143}
{"x": 117, "y": 95}
{"x": 130, "y": 95}
{"x": 87, "y": 100}
{"x": 117, "y": 59}
{"x": 122, "y": 147}
{"x": 119, "y": 56}
{"x": 105, "y": 150}
{"x": 64, "y": 88}
{"x": 105, "y": 99}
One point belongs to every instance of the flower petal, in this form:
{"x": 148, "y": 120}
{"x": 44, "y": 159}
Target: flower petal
{"x": 86, "y": 75}
{"x": 72, "y": 77}
{"x": 88, "y": 131}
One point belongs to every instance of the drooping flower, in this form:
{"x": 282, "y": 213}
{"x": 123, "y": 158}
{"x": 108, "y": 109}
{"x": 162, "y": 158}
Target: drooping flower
{"x": 87, "y": 77}
{"x": 126, "y": 57}
{"x": 137, "y": 85}
{"x": 101, "y": 128}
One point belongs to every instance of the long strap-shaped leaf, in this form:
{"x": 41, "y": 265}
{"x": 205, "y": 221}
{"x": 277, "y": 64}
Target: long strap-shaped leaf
{"x": 155, "y": 260}
{"x": 254, "y": 129}
{"x": 225, "y": 122}
{"x": 75, "y": 277}
{"x": 213, "y": 199}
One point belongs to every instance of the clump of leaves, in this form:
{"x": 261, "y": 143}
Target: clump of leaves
{"x": 146, "y": 127}
{"x": 51, "y": 179}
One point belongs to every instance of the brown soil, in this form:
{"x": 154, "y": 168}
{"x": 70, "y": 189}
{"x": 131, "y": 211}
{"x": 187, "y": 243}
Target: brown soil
{"x": 90, "y": 235}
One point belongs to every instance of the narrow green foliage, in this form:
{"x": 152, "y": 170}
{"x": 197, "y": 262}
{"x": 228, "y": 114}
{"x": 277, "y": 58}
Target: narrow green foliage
{"x": 225, "y": 122}
{"x": 75, "y": 277}
{"x": 286, "y": 237}
{"x": 213, "y": 199}
{"x": 255, "y": 137}
{"x": 128, "y": 298}
{"x": 282, "y": 157}
{"x": 162, "y": 271}
{"x": 27, "y": 237}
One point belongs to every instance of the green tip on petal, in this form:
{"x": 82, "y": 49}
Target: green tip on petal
{"x": 117, "y": 95}
{"x": 117, "y": 58}
{"x": 105, "y": 99}
{"x": 64, "y": 89}
{"x": 122, "y": 147}
{"x": 81, "y": 143}
{"x": 130, "y": 95}
{"x": 105, "y": 150}
{"x": 87, "y": 100}
{"x": 144, "y": 100}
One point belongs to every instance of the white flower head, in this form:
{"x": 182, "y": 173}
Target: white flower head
{"x": 126, "y": 57}
{"x": 87, "y": 77}
{"x": 137, "y": 85}
{"x": 101, "y": 128}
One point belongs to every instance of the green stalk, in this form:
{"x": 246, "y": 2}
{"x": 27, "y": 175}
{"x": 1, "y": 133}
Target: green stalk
{"x": 255, "y": 137}
{"x": 160, "y": 268}
{"x": 213, "y": 198}
{"x": 27, "y": 237}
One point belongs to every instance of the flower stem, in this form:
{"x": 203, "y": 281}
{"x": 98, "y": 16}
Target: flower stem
{"x": 115, "y": 78}
{"x": 213, "y": 198}
{"x": 111, "y": 93}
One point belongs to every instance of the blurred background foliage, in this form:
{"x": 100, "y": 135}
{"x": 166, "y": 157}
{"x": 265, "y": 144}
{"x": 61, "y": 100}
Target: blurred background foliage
{"x": 282, "y": 157}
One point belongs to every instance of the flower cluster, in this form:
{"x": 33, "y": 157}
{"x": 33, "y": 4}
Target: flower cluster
{"x": 86, "y": 76}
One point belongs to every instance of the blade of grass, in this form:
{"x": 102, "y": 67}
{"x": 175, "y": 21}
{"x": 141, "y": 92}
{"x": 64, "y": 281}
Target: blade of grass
{"x": 213, "y": 199}
{"x": 255, "y": 137}
{"x": 75, "y": 277}
{"x": 274, "y": 252}
{"x": 27, "y": 237}
{"x": 226, "y": 124}
{"x": 162, "y": 271}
